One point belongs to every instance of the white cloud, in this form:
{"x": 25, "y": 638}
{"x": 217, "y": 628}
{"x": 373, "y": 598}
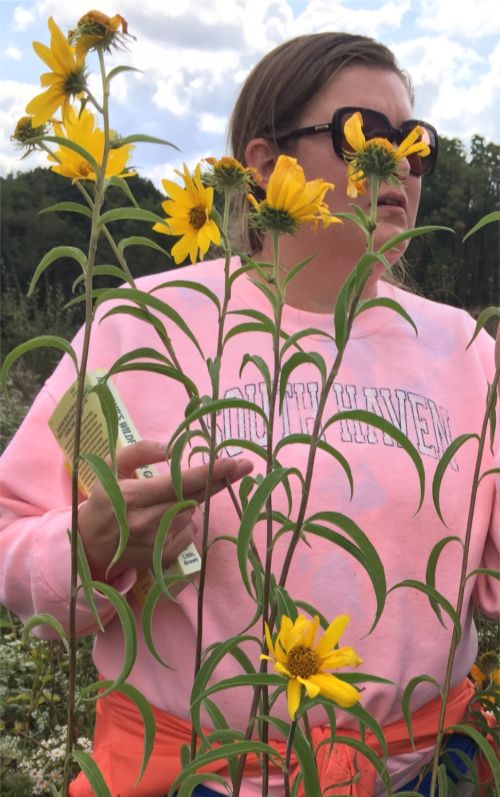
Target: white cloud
{"x": 365, "y": 18}
{"x": 22, "y": 18}
{"x": 210, "y": 123}
{"x": 14, "y": 53}
{"x": 470, "y": 20}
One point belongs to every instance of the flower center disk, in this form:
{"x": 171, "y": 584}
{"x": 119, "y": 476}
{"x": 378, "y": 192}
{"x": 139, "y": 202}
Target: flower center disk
{"x": 197, "y": 217}
{"x": 302, "y": 661}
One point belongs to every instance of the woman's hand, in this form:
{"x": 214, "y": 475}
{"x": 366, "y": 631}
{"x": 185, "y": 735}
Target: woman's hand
{"x": 146, "y": 500}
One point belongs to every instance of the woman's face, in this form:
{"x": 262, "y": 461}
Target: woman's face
{"x": 367, "y": 87}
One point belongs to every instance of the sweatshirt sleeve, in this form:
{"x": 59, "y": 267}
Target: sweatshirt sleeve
{"x": 35, "y": 516}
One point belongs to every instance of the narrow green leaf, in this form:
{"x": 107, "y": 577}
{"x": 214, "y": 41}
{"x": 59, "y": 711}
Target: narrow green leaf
{"x": 442, "y": 780}
{"x": 488, "y": 219}
{"x": 292, "y": 340}
{"x": 85, "y": 576}
{"x": 147, "y": 716}
{"x": 485, "y": 748}
{"x": 299, "y": 358}
{"x": 108, "y": 408}
{"x": 217, "y": 406}
{"x": 313, "y": 611}
{"x": 69, "y": 207}
{"x": 176, "y": 453}
{"x": 44, "y": 619}
{"x": 366, "y": 719}
{"x": 129, "y": 214}
{"x": 109, "y": 483}
{"x": 161, "y": 535}
{"x": 285, "y": 605}
{"x": 141, "y": 315}
{"x": 55, "y": 254}
{"x": 261, "y": 366}
{"x": 406, "y": 700}
{"x": 50, "y": 341}
{"x": 407, "y": 234}
{"x": 380, "y": 423}
{"x": 443, "y": 464}
{"x": 224, "y": 752}
{"x": 147, "y": 300}
{"x": 127, "y": 620}
{"x": 390, "y": 304}
{"x": 250, "y": 326}
{"x": 119, "y": 182}
{"x": 118, "y": 69}
{"x": 366, "y": 751}
{"x": 198, "y": 691}
{"x": 268, "y": 292}
{"x": 140, "y": 240}
{"x": 101, "y": 271}
{"x": 362, "y": 550}
{"x": 295, "y": 270}
{"x": 293, "y": 439}
{"x": 482, "y": 319}
{"x": 137, "y": 138}
{"x": 191, "y": 286}
{"x": 92, "y": 773}
{"x": 152, "y": 598}
{"x": 135, "y": 354}
{"x": 434, "y": 597}
{"x": 189, "y": 785}
{"x": 250, "y": 516}
{"x": 484, "y": 571}
{"x": 69, "y": 144}
{"x": 305, "y": 755}
{"x": 430, "y": 573}
{"x": 341, "y": 310}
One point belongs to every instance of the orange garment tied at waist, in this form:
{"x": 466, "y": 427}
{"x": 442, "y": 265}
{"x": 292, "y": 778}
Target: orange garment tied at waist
{"x": 118, "y": 748}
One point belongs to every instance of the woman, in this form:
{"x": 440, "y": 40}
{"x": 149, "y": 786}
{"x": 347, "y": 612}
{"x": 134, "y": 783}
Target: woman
{"x": 429, "y": 386}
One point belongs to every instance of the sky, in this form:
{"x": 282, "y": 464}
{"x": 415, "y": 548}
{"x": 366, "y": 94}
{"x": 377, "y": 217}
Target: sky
{"x": 194, "y": 56}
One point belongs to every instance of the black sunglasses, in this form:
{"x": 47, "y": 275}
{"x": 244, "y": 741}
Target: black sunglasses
{"x": 375, "y": 125}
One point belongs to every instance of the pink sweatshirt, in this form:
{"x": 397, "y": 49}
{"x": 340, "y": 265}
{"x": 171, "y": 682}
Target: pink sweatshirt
{"x": 429, "y": 386}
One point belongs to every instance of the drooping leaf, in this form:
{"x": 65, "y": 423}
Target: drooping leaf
{"x": 443, "y": 464}
{"x": 191, "y": 286}
{"x": 435, "y": 597}
{"x": 129, "y": 214}
{"x": 109, "y": 483}
{"x": 69, "y": 144}
{"x": 108, "y": 408}
{"x": 127, "y": 620}
{"x": 86, "y": 580}
{"x": 154, "y": 595}
{"x": 49, "y": 341}
{"x": 161, "y": 535}
{"x": 380, "y": 423}
{"x": 293, "y": 439}
{"x": 305, "y": 755}
{"x": 414, "y": 233}
{"x": 143, "y": 300}
{"x": 92, "y": 773}
{"x": 482, "y": 319}
{"x": 430, "y": 573}
{"x": 138, "y": 138}
{"x": 383, "y": 301}
{"x": 56, "y": 253}
{"x": 485, "y": 748}
{"x": 68, "y": 207}
{"x": 488, "y": 219}
{"x": 119, "y": 182}
{"x": 250, "y": 516}
{"x": 292, "y": 340}
{"x": 44, "y": 618}
{"x": 294, "y": 361}
{"x": 140, "y": 240}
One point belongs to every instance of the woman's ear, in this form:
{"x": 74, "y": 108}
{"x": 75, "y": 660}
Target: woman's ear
{"x": 260, "y": 155}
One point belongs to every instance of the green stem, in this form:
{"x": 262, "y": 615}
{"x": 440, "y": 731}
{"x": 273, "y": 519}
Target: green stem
{"x": 94, "y": 235}
{"x": 463, "y": 576}
{"x": 288, "y": 756}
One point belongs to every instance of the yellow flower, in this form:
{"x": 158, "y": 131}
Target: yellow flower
{"x": 67, "y": 78}
{"x": 80, "y": 129}
{"x": 291, "y": 200}
{"x": 96, "y": 29}
{"x": 487, "y": 675}
{"x": 376, "y": 157}
{"x": 227, "y": 172}
{"x": 25, "y": 131}
{"x": 305, "y": 664}
{"x": 189, "y": 209}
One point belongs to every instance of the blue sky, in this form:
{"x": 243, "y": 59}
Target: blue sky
{"x": 194, "y": 56}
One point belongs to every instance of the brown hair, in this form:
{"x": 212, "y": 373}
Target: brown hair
{"x": 278, "y": 89}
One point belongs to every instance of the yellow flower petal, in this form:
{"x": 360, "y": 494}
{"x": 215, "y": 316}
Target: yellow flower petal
{"x": 312, "y": 689}
{"x": 353, "y": 131}
{"x": 332, "y": 635}
{"x": 343, "y": 657}
{"x": 293, "y": 691}
{"x": 334, "y": 689}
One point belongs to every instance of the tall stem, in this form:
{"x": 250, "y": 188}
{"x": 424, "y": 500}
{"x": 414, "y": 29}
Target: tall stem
{"x": 463, "y": 576}
{"x": 94, "y": 236}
